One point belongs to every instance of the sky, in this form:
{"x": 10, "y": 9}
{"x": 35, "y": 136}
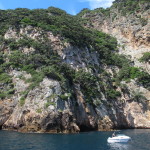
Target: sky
{"x": 70, "y": 6}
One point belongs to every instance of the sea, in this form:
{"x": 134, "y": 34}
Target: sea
{"x": 82, "y": 141}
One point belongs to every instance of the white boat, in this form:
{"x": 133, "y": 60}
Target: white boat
{"x": 119, "y": 138}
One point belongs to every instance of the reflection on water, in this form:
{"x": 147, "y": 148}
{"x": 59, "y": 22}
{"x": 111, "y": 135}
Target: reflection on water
{"x": 118, "y": 146}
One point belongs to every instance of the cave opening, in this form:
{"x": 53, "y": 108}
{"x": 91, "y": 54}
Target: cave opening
{"x": 84, "y": 128}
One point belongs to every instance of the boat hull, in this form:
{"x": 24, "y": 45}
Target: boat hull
{"x": 118, "y": 139}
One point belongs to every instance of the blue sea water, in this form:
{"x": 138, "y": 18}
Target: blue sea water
{"x": 82, "y": 141}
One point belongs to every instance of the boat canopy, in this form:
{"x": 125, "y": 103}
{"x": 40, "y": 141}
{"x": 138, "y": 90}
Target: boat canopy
{"x": 120, "y": 135}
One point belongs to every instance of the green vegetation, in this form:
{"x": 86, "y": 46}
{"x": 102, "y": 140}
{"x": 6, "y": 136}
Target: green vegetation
{"x": 35, "y": 80}
{"x": 22, "y": 101}
{"x": 5, "y": 78}
{"x": 49, "y": 103}
{"x": 146, "y": 57}
{"x": 51, "y": 19}
{"x": 123, "y": 7}
{"x": 129, "y": 6}
{"x": 113, "y": 94}
{"x": 85, "y": 15}
{"x": 52, "y": 96}
{"x": 51, "y": 72}
{"x": 102, "y": 11}
{"x": 39, "y": 110}
{"x": 43, "y": 61}
{"x": 7, "y": 88}
{"x": 88, "y": 84}
{"x": 143, "y": 21}
{"x": 127, "y": 73}
{"x": 143, "y": 79}
{"x": 105, "y": 45}
{"x": 65, "y": 96}
{"x": 138, "y": 96}
{"x": 2, "y": 95}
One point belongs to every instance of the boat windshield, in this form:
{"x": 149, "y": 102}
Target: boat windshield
{"x": 120, "y": 135}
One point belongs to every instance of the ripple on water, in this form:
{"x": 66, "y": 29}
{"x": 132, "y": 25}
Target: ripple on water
{"x": 83, "y": 141}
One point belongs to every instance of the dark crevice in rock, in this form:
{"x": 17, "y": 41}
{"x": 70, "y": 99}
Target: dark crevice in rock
{"x": 0, "y": 127}
{"x": 84, "y": 128}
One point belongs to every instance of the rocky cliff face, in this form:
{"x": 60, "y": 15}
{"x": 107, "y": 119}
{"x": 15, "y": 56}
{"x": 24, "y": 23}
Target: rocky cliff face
{"x": 131, "y": 29}
{"x": 58, "y": 106}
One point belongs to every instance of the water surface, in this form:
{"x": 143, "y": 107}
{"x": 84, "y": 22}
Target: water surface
{"x": 82, "y": 141}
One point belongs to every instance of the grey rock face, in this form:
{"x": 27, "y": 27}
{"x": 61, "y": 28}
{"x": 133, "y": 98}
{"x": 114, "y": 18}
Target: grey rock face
{"x": 131, "y": 34}
{"x": 45, "y": 111}
{"x": 6, "y": 109}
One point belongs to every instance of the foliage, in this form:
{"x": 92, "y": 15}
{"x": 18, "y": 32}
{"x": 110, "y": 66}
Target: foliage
{"x": 129, "y": 6}
{"x": 51, "y": 19}
{"x": 49, "y": 103}
{"x": 143, "y": 21}
{"x": 1, "y": 58}
{"x": 138, "y": 96}
{"x": 6, "y": 85}
{"x": 44, "y": 62}
{"x": 64, "y": 97}
{"x": 113, "y": 94}
{"x": 102, "y": 11}
{"x": 37, "y": 77}
{"x": 88, "y": 84}
{"x": 146, "y": 57}
{"x": 5, "y": 78}
{"x": 83, "y": 12}
{"x": 2, "y": 95}
{"x": 119, "y": 60}
{"x": 22, "y": 101}
{"x": 17, "y": 59}
{"x": 52, "y": 73}
{"x": 143, "y": 79}
{"x": 11, "y": 91}
{"x": 127, "y": 72}
{"x": 39, "y": 110}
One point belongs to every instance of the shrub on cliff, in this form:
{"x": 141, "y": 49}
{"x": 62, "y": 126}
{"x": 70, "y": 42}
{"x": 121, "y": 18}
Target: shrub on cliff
{"x": 88, "y": 84}
{"x": 112, "y": 94}
{"x": 127, "y": 73}
{"x": 146, "y": 57}
{"x": 129, "y": 6}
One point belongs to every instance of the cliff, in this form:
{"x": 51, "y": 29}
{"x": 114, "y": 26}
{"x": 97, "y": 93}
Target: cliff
{"x": 129, "y": 22}
{"x": 60, "y": 77}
